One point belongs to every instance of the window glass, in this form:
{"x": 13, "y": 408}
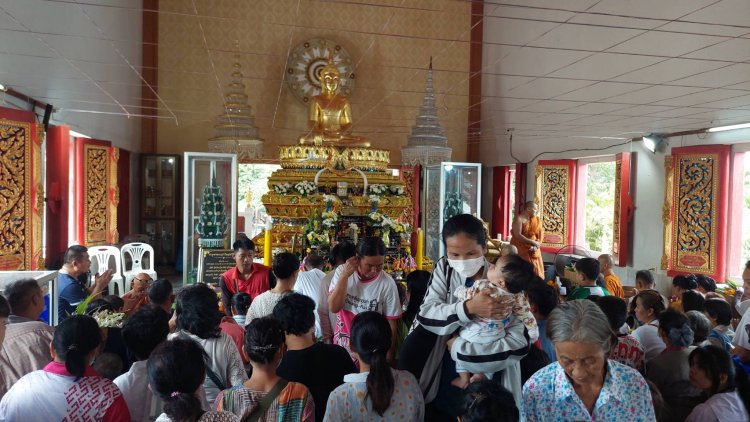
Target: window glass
{"x": 599, "y": 207}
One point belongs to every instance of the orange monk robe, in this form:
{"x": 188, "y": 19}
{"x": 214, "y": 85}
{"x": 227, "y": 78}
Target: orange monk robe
{"x": 532, "y": 229}
{"x": 612, "y": 283}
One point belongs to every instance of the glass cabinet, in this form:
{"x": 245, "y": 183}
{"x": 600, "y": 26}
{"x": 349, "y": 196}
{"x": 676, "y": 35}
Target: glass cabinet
{"x": 210, "y": 206}
{"x": 160, "y": 179}
{"x": 449, "y": 189}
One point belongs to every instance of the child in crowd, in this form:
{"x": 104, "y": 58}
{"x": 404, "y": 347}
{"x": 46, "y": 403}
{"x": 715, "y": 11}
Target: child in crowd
{"x": 240, "y": 304}
{"x": 719, "y": 312}
{"x": 487, "y": 401}
{"x": 587, "y": 272}
{"x": 502, "y": 281}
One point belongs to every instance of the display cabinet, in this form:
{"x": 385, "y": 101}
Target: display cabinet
{"x": 210, "y": 206}
{"x": 449, "y": 189}
{"x": 159, "y": 212}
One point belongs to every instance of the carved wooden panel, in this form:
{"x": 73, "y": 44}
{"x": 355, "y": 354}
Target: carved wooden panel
{"x": 698, "y": 210}
{"x": 97, "y": 193}
{"x": 555, "y": 194}
{"x": 21, "y": 195}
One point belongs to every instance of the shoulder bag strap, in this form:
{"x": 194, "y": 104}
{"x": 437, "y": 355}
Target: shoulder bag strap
{"x": 209, "y": 372}
{"x": 266, "y": 401}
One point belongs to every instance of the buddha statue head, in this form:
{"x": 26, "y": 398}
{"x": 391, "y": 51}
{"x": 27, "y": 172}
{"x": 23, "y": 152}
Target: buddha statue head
{"x": 329, "y": 77}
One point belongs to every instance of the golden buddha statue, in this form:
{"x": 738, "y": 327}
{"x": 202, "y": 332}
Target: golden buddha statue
{"x": 330, "y": 114}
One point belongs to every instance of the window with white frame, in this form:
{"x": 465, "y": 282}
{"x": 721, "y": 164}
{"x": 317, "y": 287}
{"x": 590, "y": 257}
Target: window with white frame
{"x": 599, "y": 206}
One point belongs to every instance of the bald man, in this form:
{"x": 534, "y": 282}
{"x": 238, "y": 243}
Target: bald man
{"x": 137, "y": 296}
{"x": 611, "y": 281}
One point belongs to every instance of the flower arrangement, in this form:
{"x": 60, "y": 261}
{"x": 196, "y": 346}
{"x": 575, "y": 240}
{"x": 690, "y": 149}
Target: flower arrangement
{"x": 109, "y": 319}
{"x": 329, "y": 200}
{"x": 378, "y": 189}
{"x": 318, "y": 239}
{"x": 282, "y": 188}
{"x": 306, "y": 188}
{"x": 330, "y": 218}
{"x": 397, "y": 190}
{"x": 374, "y": 199}
{"x": 375, "y": 219}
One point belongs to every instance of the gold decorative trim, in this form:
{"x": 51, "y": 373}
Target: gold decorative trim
{"x": 547, "y": 217}
{"x": 15, "y": 181}
{"x": 344, "y": 158}
{"x": 666, "y": 211}
{"x": 618, "y": 204}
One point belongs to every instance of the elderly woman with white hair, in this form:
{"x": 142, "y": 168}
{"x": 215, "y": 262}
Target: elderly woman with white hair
{"x": 583, "y": 385}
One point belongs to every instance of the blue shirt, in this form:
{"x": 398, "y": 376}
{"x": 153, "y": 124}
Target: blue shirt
{"x": 72, "y": 293}
{"x": 549, "y": 396}
{"x": 546, "y": 343}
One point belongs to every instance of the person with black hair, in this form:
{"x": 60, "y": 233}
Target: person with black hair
{"x": 266, "y": 396}
{"x": 338, "y": 256}
{"x": 117, "y": 303}
{"x": 509, "y": 277}
{"x": 417, "y": 282}
{"x": 142, "y": 332}
{"x": 240, "y": 304}
{"x": 160, "y": 293}
{"x": 67, "y": 388}
{"x": 543, "y": 298}
{"x": 488, "y": 401}
{"x": 361, "y": 285}
{"x": 442, "y": 314}
{"x": 246, "y": 276}
{"x": 680, "y": 284}
{"x": 587, "y": 272}
{"x": 647, "y": 306}
{"x": 310, "y": 284}
{"x": 625, "y": 348}
{"x": 114, "y": 358}
{"x": 285, "y": 269}
{"x": 712, "y": 371}
{"x": 319, "y": 366}
{"x": 24, "y": 347}
{"x": 71, "y": 291}
{"x": 692, "y": 301}
{"x": 719, "y": 312}
{"x": 377, "y": 392}
{"x": 26, "y": 300}
{"x": 670, "y": 370}
{"x": 706, "y": 284}
{"x": 198, "y": 319}
{"x": 176, "y": 370}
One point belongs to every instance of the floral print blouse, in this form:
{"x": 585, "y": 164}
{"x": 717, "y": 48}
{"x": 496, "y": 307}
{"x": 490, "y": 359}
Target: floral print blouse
{"x": 549, "y": 396}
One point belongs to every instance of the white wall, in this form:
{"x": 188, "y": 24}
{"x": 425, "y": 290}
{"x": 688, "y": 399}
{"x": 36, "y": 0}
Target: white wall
{"x": 647, "y": 187}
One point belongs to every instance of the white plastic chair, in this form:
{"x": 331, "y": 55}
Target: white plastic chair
{"x": 108, "y": 257}
{"x": 133, "y": 253}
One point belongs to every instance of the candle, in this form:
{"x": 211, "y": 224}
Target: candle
{"x": 267, "y": 246}
{"x": 420, "y": 248}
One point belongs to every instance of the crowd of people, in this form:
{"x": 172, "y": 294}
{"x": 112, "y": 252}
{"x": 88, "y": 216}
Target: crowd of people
{"x": 293, "y": 342}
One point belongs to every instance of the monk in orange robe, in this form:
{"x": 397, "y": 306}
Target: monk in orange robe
{"x": 527, "y": 236}
{"x": 611, "y": 281}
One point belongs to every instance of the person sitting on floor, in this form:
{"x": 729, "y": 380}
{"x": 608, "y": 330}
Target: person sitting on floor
{"x": 176, "y": 371}
{"x": 611, "y": 281}
{"x": 719, "y": 312}
{"x": 26, "y": 300}
{"x": 63, "y": 389}
{"x": 587, "y": 270}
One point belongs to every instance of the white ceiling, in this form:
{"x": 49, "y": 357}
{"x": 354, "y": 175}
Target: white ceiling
{"x": 583, "y": 69}
{"x": 613, "y": 69}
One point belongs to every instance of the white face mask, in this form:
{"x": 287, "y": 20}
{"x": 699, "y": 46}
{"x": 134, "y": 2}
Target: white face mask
{"x": 467, "y": 267}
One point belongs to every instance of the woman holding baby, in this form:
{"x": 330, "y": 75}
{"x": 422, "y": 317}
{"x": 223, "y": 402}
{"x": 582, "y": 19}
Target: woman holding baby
{"x": 498, "y": 305}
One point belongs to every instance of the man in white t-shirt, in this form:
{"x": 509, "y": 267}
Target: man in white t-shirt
{"x": 361, "y": 285}
{"x": 310, "y": 284}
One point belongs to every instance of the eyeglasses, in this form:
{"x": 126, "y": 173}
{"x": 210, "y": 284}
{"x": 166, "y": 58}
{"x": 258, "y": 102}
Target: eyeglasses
{"x": 147, "y": 281}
